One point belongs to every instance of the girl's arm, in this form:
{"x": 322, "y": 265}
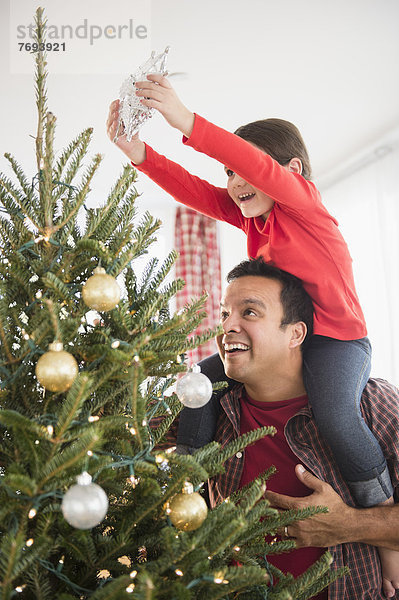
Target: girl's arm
{"x": 289, "y": 190}
{"x": 252, "y": 164}
{"x": 192, "y": 191}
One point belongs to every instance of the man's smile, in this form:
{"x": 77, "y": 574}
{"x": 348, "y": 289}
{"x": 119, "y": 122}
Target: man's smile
{"x": 235, "y": 347}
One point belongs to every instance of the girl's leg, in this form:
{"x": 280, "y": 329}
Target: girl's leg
{"x": 197, "y": 426}
{"x": 335, "y": 373}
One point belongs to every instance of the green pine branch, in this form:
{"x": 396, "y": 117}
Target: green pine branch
{"x": 14, "y": 198}
{"x": 40, "y": 83}
{"x": 73, "y": 206}
{"x": 70, "y": 160}
{"x": 72, "y": 405}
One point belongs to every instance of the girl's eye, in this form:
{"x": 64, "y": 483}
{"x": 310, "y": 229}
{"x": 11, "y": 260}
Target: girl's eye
{"x": 229, "y": 172}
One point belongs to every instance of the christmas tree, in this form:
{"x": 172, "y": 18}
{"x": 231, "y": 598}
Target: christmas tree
{"x": 90, "y": 507}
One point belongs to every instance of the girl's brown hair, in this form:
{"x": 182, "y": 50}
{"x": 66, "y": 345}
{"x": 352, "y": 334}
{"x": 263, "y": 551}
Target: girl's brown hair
{"x": 278, "y": 138}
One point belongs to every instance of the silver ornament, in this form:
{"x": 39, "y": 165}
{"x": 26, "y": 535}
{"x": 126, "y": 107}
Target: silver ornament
{"x": 194, "y": 389}
{"x": 132, "y": 114}
{"x": 85, "y": 504}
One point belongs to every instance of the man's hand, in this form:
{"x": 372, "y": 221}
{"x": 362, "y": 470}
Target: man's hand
{"x": 321, "y": 530}
{"x": 157, "y": 93}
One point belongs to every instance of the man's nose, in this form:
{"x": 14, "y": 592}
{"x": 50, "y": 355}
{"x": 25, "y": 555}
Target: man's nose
{"x": 231, "y": 323}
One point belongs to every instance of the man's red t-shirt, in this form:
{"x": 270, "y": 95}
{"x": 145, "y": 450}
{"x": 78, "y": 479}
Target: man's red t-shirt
{"x": 274, "y": 450}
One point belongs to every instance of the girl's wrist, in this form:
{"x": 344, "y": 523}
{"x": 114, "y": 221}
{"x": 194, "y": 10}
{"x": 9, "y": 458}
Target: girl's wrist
{"x": 188, "y": 125}
{"x": 139, "y": 154}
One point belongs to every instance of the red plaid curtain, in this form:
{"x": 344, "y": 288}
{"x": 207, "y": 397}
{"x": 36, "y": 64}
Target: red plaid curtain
{"x": 199, "y": 266}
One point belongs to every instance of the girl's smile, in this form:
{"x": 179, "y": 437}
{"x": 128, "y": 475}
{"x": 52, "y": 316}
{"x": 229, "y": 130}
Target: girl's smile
{"x": 251, "y": 201}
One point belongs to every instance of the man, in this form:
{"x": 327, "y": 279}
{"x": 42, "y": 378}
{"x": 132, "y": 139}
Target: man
{"x": 266, "y": 318}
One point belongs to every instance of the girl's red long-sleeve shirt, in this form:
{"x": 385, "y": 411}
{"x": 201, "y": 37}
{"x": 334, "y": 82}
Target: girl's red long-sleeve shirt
{"x": 299, "y": 236}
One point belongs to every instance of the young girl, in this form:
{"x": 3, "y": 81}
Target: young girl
{"x": 269, "y": 196}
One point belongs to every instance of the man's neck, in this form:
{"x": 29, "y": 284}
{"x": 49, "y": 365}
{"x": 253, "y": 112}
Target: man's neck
{"x": 275, "y": 389}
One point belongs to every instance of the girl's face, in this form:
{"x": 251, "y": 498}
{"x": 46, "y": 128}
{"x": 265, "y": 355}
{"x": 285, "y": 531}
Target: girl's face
{"x": 251, "y": 201}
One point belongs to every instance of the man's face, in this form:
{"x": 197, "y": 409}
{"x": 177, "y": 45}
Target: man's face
{"x": 253, "y": 346}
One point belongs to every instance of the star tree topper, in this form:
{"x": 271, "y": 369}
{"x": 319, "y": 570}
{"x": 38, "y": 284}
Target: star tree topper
{"x": 132, "y": 114}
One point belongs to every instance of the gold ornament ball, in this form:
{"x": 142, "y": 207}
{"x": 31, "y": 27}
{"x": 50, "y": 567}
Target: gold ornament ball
{"x": 56, "y": 369}
{"x": 187, "y": 510}
{"x": 101, "y": 291}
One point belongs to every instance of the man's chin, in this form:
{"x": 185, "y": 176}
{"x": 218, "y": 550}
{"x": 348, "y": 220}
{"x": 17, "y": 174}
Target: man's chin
{"x": 233, "y": 372}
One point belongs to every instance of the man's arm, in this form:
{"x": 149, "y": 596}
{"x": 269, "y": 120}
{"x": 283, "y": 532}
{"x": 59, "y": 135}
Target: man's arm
{"x": 378, "y": 526}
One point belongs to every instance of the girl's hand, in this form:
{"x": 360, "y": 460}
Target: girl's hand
{"x": 135, "y": 149}
{"x": 157, "y": 93}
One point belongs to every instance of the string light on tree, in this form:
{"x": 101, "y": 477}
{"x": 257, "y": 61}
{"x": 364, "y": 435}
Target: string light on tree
{"x": 101, "y": 291}
{"x": 187, "y": 510}
{"x": 85, "y": 504}
{"x": 194, "y": 389}
{"x": 56, "y": 369}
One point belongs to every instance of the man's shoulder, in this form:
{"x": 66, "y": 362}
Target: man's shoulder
{"x": 380, "y": 389}
{"x": 380, "y": 404}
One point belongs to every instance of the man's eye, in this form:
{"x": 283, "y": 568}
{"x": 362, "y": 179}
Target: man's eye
{"x": 229, "y": 172}
{"x": 223, "y": 316}
{"x": 250, "y": 312}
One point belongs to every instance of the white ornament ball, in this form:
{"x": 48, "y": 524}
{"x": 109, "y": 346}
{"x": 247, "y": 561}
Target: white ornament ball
{"x": 194, "y": 389}
{"x": 85, "y": 504}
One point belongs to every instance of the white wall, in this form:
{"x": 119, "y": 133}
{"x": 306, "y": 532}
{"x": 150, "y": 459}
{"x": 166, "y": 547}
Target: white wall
{"x": 366, "y": 205}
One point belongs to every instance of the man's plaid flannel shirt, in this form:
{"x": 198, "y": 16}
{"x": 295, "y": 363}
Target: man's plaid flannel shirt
{"x": 380, "y": 406}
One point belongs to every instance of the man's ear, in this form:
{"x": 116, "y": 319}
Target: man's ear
{"x": 298, "y": 334}
{"x": 295, "y": 166}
